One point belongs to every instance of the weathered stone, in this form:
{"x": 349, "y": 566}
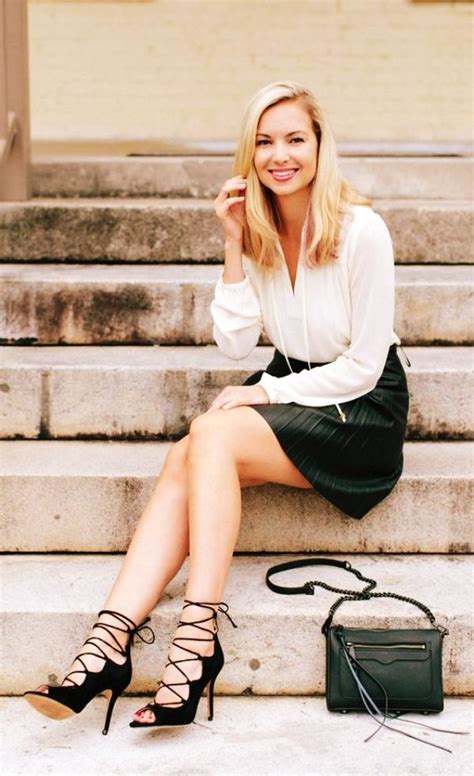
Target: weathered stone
{"x": 277, "y": 649}
{"x": 96, "y": 230}
{"x": 433, "y": 232}
{"x": 437, "y": 372}
{"x": 24, "y": 404}
{"x": 173, "y": 230}
{"x": 201, "y": 176}
{"x": 162, "y": 176}
{"x": 143, "y": 392}
{"x": 434, "y": 305}
{"x": 87, "y": 497}
{"x": 51, "y": 304}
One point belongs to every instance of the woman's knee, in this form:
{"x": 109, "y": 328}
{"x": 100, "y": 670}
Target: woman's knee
{"x": 210, "y": 426}
{"x": 221, "y": 432}
{"x": 177, "y": 459}
{"x": 213, "y": 433}
{"x": 200, "y": 425}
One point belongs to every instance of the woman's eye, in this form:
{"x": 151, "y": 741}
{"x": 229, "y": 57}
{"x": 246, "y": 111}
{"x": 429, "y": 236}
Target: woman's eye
{"x": 293, "y": 140}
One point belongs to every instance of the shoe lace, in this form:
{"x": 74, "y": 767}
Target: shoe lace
{"x": 211, "y": 633}
{"x": 126, "y": 625}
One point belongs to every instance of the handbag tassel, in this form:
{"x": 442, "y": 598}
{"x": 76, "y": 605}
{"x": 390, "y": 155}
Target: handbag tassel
{"x": 373, "y": 710}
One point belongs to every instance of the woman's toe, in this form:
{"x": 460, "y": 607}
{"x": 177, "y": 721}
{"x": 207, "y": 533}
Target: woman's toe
{"x": 144, "y": 715}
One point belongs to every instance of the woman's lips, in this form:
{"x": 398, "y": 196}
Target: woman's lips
{"x": 283, "y": 175}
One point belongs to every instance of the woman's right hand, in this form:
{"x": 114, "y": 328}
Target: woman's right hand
{"x": 230, "y": 210}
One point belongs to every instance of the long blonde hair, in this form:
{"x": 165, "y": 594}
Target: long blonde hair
{"x": 330, "y": 196}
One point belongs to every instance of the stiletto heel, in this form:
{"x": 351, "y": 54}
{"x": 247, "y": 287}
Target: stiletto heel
{"x": 210, "y": 700}
{"x": 108, "y": 717}
{"x": 68, "y": 699}
{"x": 171, "y": 714}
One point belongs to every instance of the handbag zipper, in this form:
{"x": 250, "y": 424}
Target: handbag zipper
{"x": 386, "y": 646}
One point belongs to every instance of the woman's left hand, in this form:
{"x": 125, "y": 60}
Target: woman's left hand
{"x": 238, "y": 396}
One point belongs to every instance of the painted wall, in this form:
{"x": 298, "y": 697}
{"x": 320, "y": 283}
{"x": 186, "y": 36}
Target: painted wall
{"x": 127, "y": 69}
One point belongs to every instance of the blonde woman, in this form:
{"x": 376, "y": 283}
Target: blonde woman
{"x": 308, "y": 260}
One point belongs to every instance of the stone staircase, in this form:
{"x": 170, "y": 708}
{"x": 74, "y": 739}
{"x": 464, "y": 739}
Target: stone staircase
{"x": 107, "y": 275}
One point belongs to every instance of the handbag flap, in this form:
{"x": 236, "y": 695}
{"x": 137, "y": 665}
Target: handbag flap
{"x": 388, "y": 646}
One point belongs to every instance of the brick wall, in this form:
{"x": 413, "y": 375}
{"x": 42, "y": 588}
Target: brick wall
{"x": 384, "y": 69}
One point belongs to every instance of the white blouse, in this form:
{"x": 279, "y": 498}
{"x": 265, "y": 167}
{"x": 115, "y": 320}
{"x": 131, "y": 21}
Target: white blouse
{"x": 341, "y": 313}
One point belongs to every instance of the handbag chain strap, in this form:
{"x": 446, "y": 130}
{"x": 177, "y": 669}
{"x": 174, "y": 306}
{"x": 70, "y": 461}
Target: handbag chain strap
{"x": 367, "y": 596}
{"x": 346, "y": 595}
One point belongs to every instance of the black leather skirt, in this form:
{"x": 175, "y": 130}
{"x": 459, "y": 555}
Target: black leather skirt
{"x": 354, "y": 464}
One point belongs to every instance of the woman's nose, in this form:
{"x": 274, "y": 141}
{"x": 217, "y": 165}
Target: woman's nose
{"x": 280, "y": 153}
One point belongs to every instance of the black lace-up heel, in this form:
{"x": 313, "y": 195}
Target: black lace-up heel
{"x": 166, "y": 714}
{"x": 113, "y": 678}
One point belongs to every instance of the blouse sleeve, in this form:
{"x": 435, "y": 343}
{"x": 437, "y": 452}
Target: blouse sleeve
{"x": 237, "y": 317}
{"x": 372, "y": 294}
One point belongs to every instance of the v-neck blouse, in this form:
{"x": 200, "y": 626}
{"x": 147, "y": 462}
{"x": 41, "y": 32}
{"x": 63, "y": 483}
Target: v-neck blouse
{"x": 346, "y": 306}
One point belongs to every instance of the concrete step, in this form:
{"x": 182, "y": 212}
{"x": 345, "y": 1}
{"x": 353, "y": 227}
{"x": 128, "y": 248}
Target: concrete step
{"x": 202, "y": 176}
{"x": 50, "y": 603}
{"x": 142, "y": 392}
{"x": 169, "y": 304}
{"x": 259, "y": 736}
{"x": 175, "y": 230}
{"x": 78, "y": 496}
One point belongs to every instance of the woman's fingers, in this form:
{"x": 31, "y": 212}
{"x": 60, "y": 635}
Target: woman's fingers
{"x": 224, "y": 196}
{"x": 238, "y": 396}
{"x": 225, "y": 206}
{"x": 231, "y": 201}
{"x": 229, "y": 186}
{"x": 232, "y": 220}
{"x": 236, "y": 180}
{"x": 234, "y": 184}
{"x": 220, "y": 400}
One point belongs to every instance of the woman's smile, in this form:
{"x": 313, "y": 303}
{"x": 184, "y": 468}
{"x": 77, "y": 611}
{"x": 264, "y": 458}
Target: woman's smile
{"x": 283, "y": 175}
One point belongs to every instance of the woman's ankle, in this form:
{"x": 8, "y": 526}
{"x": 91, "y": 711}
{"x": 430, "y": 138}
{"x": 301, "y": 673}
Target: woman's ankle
{"x": 107, "y": 639}
{"x": 113, "y": 631}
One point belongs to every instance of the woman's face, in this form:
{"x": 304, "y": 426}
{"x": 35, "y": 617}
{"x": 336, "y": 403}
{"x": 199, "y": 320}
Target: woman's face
{"x": 286, "y": 148}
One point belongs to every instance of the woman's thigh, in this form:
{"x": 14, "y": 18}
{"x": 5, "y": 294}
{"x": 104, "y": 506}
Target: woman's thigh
{"x": 255, "y": 449}
{"x": 176, "y": 466}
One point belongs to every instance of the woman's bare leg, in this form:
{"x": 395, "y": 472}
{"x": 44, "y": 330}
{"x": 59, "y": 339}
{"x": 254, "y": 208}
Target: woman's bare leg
{"x": 157, "y": 551}
{"x": 226, "y": 448}
{"x": 160, "y": 542}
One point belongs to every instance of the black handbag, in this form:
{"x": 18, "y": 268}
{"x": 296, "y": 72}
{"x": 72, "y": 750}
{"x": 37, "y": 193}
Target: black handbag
{"x": 380, "y": 671}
